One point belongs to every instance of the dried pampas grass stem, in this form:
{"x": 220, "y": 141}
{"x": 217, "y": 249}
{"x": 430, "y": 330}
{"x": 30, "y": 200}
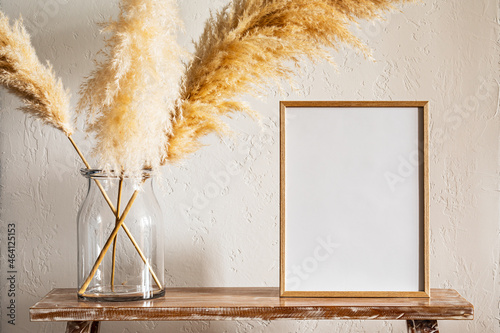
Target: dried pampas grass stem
{"x": 131, "y": 96}
{"x": 22, "y": 74}
{"x": 117, "y": 214}
{"x": 43, "y": 95}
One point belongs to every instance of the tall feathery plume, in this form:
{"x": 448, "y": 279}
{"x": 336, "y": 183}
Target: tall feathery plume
{"x": 131, "y": 96}
{"x": 22, "y": 74}
{"x": 251, "y": 45}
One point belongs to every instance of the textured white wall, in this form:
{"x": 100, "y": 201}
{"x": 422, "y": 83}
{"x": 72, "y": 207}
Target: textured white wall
{"x": 444, "y": 51}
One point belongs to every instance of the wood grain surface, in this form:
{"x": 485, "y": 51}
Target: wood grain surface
{"x": 250, "y": 304}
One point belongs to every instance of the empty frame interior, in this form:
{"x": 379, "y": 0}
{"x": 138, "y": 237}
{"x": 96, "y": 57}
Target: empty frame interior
{"x": 354, "y": 193}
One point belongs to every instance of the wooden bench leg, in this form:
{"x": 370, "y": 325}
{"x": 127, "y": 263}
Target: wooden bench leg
{"x": 82, "y": 327}
{"x": 422, "y": 326}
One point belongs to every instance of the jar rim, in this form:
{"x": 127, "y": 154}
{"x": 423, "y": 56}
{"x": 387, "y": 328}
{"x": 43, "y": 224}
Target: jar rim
{"x": 100, "y": 173}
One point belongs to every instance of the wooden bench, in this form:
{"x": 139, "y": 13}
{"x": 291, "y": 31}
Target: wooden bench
{"x": 421, "y": 314}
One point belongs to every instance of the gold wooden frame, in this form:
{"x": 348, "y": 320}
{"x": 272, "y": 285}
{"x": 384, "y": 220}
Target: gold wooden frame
{"x": 424, "y": 196}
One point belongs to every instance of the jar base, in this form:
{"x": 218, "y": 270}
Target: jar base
{"x": 120, "y": 295}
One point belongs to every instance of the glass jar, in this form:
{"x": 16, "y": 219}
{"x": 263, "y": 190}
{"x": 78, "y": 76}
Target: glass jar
{"x": 120, "y": 258}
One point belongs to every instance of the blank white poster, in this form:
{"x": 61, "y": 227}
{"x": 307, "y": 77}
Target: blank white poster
{"x": 352, "y": 199}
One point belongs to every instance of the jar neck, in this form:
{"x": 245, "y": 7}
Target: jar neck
{"x": 105, "y": 174}
{"x": 103, "y": 186}
{"x": 126, "y": 184}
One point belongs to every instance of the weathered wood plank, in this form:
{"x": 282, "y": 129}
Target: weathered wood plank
{"x": 82, "y": 327}
{"x": 249, "y": 304}
{"x": 422, "y": 326}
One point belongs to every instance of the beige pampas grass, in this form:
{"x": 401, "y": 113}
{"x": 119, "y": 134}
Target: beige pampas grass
{"x": 252, "y": 44}
{"x": 22, "y": 74}
{"x": 131, "y": 96}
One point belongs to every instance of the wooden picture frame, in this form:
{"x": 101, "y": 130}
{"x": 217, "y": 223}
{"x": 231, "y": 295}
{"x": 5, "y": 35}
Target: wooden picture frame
{"x": 354, "y": 199}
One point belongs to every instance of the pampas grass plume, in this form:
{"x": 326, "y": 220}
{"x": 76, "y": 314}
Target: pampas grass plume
{"x": 131, "y": 97}
{"x": 251, "y": 45}
{"x": 22, "y": 74}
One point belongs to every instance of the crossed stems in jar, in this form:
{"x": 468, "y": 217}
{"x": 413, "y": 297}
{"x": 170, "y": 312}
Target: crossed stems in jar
{"x": 119, "y": 223}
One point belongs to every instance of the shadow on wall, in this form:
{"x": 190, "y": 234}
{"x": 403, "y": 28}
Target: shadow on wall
{"x": 190, "y": 269}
